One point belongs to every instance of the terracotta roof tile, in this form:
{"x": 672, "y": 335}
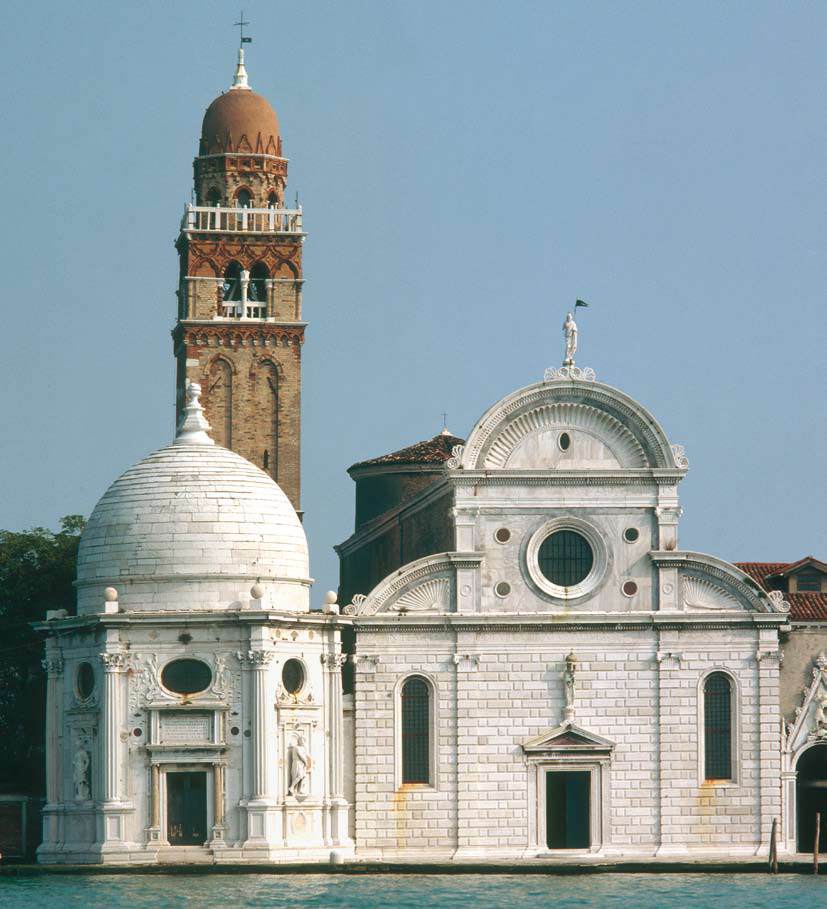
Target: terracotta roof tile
{"x": 805, "y": 606}
{"x": 431, "y": 451}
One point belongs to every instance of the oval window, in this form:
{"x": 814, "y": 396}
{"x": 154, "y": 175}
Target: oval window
{"x": 292, "y": 676}
{"x": 631, "y": 534}
{"x": 186, "y": 676}
{"x": 85, "y": 680}
{"x": 564, "y": 441}
{"x": 502, "y": 535}
{"x": 565, "y": 558}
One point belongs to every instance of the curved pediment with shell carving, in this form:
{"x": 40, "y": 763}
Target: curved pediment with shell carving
{"x": 700, "y": 593}
{"x": 426, "y": 586}
{"x": 598, "y": 440}
{"x": 618, "y": 431}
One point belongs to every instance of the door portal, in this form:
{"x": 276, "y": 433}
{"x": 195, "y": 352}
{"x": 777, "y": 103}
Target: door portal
{"x": 568, "y": 804}
{"x": 187, "y": 809}
{"x": 811, "y": 798}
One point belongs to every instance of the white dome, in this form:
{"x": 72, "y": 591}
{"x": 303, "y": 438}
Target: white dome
{"x": 193, "y": 526}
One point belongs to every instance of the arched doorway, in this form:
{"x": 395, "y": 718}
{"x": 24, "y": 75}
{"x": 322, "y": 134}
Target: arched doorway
{"x": 811, "y": 797}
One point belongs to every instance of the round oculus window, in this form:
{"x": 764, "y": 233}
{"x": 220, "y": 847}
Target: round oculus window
{"x": 564, "y": 441}
{"x": 292, "y": 676}
{"x": 565, "y": 557}
{"x": 85, "y": 680}
{"x": 502, "y": 535}
{"x": 502, "y": 589}
{"x": 629, "y": 588}
{"x": 186, "y": 676}
{"x": 631, "y": 534}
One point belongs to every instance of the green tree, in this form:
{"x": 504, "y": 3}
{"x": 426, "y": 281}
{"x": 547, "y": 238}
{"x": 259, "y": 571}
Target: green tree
{"x": 37, "y": 568}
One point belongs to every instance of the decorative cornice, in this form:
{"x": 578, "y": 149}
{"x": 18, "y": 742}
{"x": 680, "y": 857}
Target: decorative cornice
{"x": 630, "y": 477}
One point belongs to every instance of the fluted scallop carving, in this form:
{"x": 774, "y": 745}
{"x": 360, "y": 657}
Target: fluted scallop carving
{"x": 432, "y": 596}
{"x": 701, "y": 594}
{"x": 573, "y": 417}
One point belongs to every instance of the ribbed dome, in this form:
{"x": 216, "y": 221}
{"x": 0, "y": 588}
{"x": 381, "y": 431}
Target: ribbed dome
{"x": 240, "y": 120}
{"x": 193, "y": 526}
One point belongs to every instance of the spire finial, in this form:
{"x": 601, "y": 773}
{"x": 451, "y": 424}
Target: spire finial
{"x": 193, "y": 428}
{"x": 240, "y": 78}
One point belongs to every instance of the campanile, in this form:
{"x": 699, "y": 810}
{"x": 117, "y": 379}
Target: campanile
{"x": 239, "y": 330}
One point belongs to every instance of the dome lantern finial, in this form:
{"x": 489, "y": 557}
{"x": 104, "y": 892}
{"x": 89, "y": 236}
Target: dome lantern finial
{"x": 240, "y": 78}
{"x": 193, "y": 428}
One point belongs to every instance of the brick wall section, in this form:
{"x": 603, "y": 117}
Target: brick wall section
{"x": 410, "y": 535}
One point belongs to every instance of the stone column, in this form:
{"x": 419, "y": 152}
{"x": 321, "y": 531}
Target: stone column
{"x": 260, "y": 804}
{"x": 53, "y": 664}
{"x": 111, "y": 822}
{"x": 337, "y": 827}
{"x": 218, "y": 803}
{"x": 153, "y": 830}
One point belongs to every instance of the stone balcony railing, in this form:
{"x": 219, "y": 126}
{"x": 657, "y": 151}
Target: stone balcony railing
{"x": 216, "y": 219}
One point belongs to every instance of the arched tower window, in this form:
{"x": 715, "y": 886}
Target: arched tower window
{"x": 416, "y": 730}
{"x": 272, "y": 201}
{"x": 244, "y": 199}
{"x": 257, "y": 292}
{"x": 718, "y": 727}
{"x": 219, "y": 402}
{"x": 214, "y": 197}
{"x": 232, "y": 282}
{"x": 270, "y": 454}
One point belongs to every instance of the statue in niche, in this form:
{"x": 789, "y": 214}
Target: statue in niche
{"x": 300, "y": 763}
{"x": 80, "y": 774}
{"x": 570, "y": 331}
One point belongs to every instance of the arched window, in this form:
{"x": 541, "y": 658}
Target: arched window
{"x": 272, "y": 201}
{"x": 270, "y": 460}
{"x": 718, "y": 727}
{"x": 219, "y": 402}
{"x": 257, "y": 292}
{"x": 416, "y": 731}
{"x": 232, "y": 282}
{"x": 244, "y": 199}
{"x": 213, "y": 197}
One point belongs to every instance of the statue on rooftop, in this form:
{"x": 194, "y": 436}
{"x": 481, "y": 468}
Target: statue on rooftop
{"x": 570, "y": 332}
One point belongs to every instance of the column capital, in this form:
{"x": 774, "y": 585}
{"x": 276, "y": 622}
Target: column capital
{"x": 255, "y": 659}
{"x": 113, "y": 661}
{"x": 333, "y": 662}
{"x": 53, "y": 665}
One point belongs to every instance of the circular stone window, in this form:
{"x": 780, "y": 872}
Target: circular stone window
{"x": 631, "y": 534}
{"x": 502, "y": 589}
{"x": 85, "y": 681}
{"x": 629, "y": 588}
{"x": 502, "y": 535}
{"x": 292, "y": 676}
{"x": 186, "y": 676}
{"x": 564, "y": 441}
{"x": 567, "y": 558}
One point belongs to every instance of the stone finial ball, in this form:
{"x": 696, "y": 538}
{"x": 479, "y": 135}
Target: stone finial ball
{"x": 330, "y": 597}
{"x": 257, "y": 591}
{"x": 110, "y": 595}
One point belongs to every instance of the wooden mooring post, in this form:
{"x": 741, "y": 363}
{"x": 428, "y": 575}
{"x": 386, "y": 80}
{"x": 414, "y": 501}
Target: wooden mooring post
{"x": 774, "y": 847}
{"x": 815, "y": 843}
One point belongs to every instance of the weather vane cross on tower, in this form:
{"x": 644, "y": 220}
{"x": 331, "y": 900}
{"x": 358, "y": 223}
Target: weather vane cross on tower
{"x": 244, "y": 39}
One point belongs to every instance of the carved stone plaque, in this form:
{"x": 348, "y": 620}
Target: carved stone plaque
{"x": 186, "y": 728}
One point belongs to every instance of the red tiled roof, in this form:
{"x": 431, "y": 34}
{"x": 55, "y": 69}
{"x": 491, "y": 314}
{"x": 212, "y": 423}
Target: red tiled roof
{"x": 430, "y": 451}
{"x": 806, "y": 606}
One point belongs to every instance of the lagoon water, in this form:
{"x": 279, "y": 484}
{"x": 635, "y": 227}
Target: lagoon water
{"x": 412, "y": 891}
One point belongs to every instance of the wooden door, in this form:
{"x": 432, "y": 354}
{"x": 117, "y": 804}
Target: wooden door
{"x": 187, "y": 808}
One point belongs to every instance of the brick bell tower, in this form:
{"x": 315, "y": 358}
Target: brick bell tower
{"x": 239, "y": 330}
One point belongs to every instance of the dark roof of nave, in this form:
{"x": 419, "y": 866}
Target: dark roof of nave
{"x": 805, "y": 605}
{"x": 430, "y": 451}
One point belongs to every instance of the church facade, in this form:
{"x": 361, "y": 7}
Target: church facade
{"x": 525, "y": 665}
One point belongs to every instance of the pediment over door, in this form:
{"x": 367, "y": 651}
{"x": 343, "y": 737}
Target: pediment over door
{"x": 567, "y": 738}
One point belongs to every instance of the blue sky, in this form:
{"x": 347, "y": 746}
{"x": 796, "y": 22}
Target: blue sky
{"x": 467, "y": 170}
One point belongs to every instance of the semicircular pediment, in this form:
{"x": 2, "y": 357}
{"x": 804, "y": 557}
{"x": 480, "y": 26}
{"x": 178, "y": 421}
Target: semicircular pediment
{"x": 596, "y": 440}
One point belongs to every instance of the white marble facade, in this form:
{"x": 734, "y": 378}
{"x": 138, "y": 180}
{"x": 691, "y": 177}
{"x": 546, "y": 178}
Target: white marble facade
{"x": 194, "y": 703}
{"x": 603, "y": 681}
